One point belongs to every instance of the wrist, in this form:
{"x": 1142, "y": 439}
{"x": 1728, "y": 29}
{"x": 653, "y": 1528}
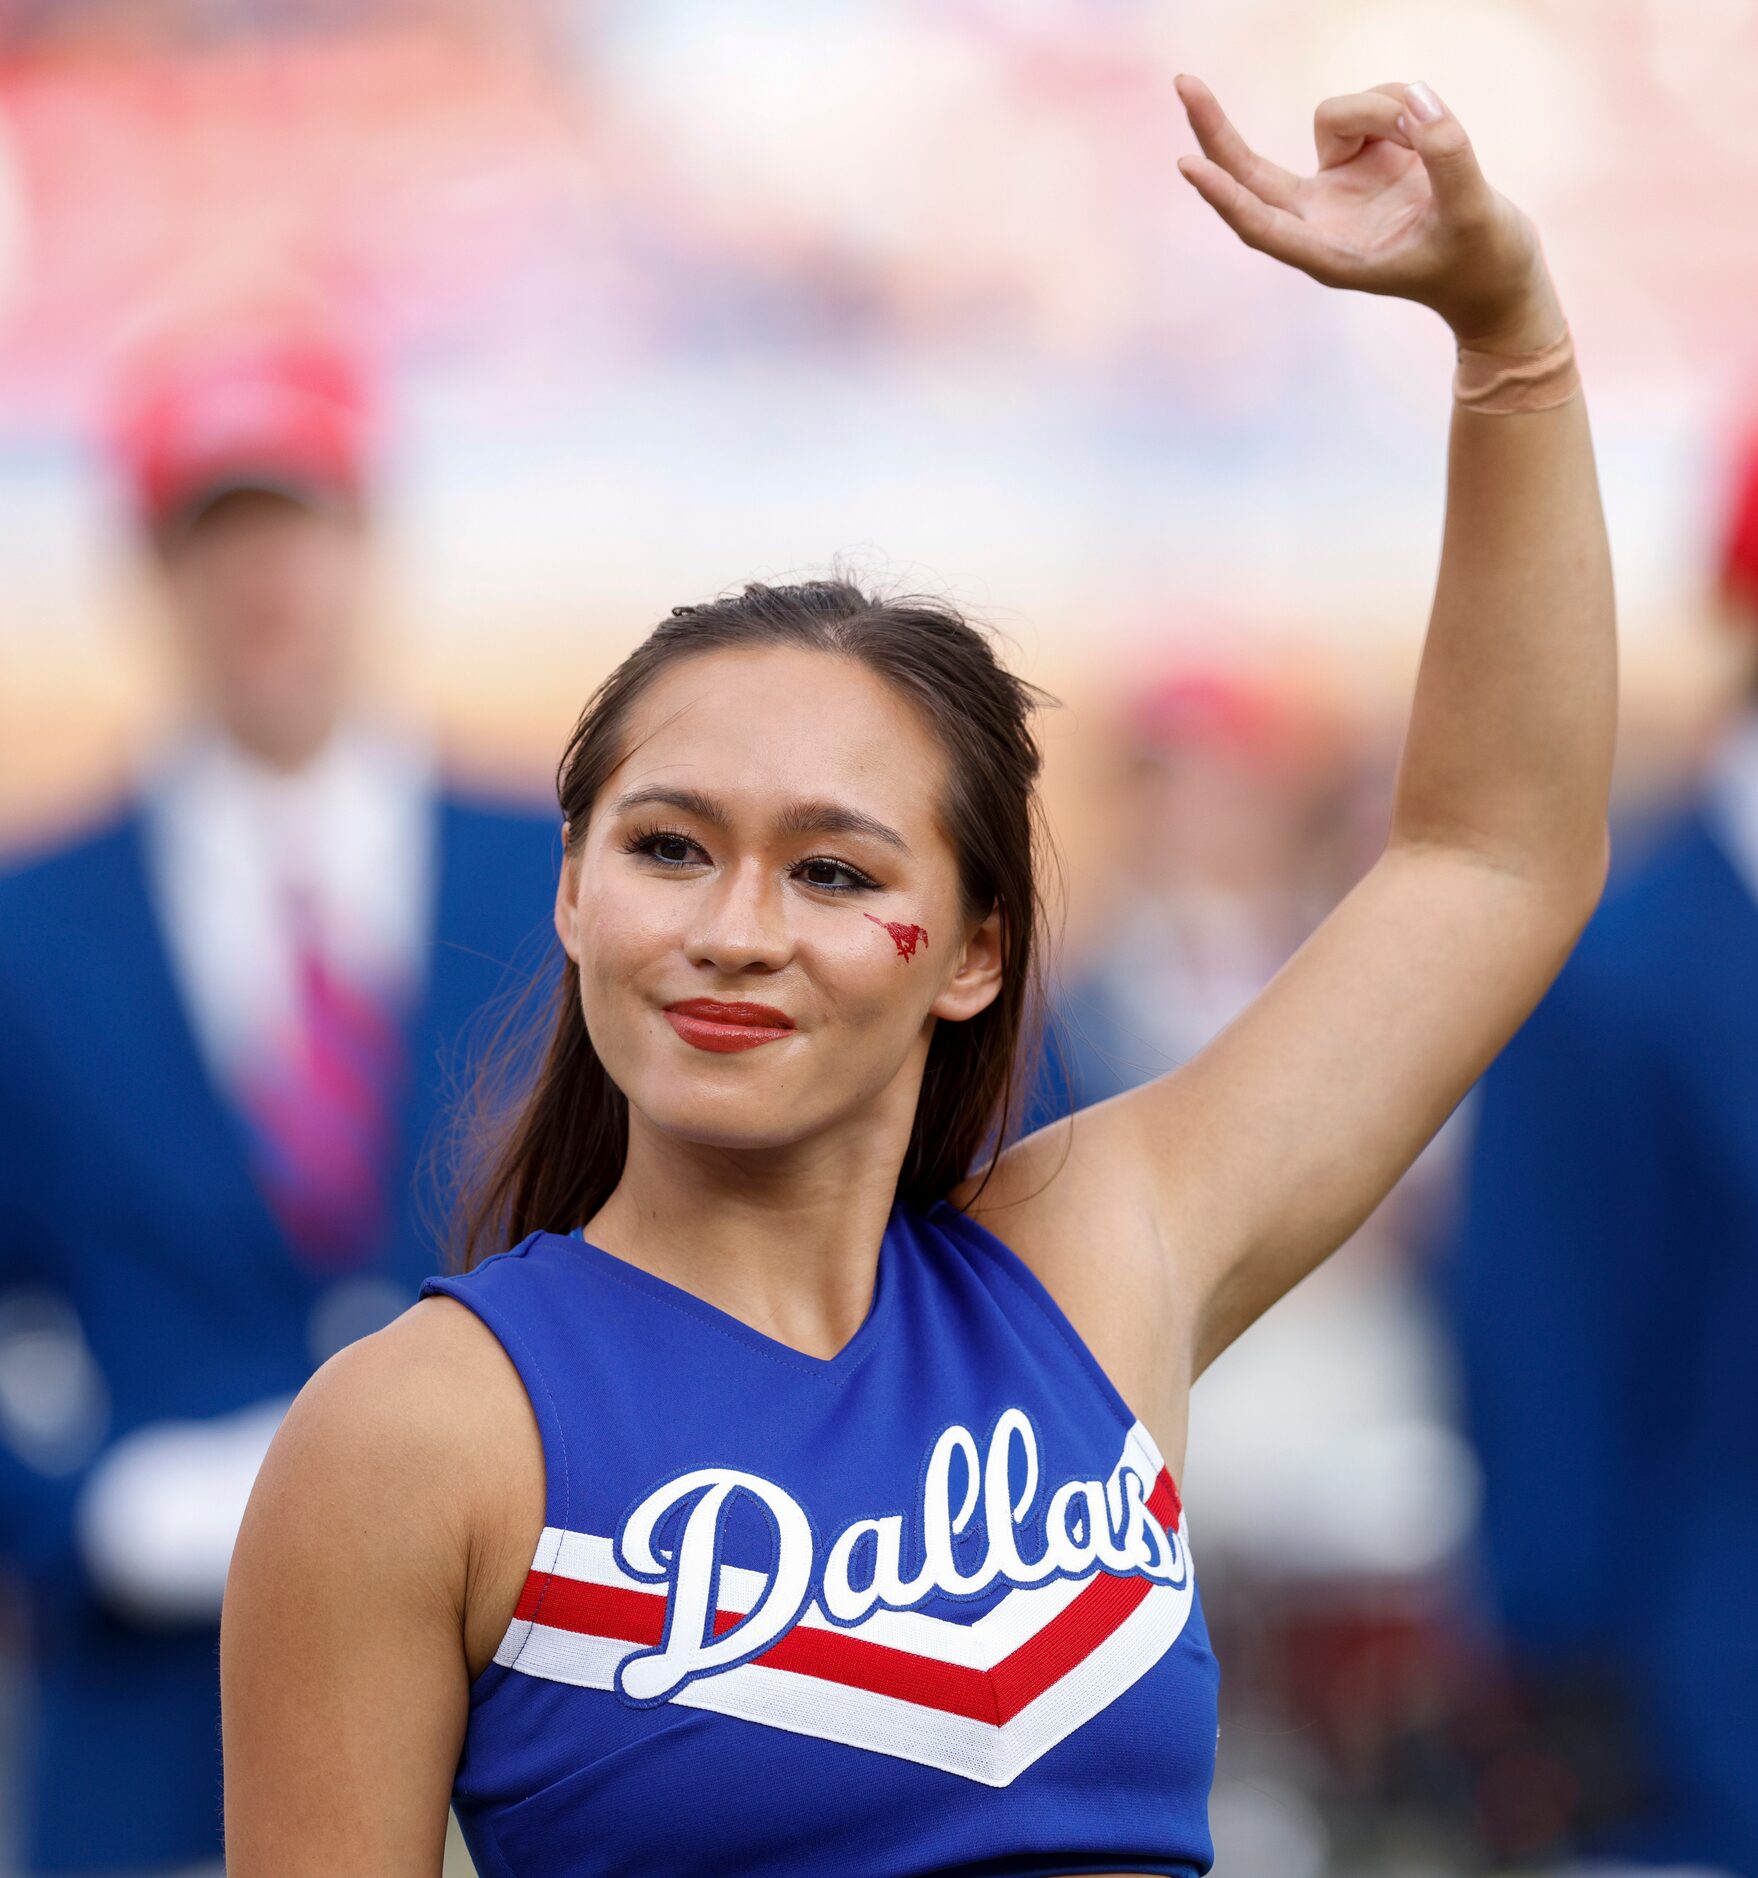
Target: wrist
{"x": 1528, "y": 323}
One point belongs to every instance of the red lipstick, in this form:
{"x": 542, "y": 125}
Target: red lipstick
{"x": 712, "y": 1024}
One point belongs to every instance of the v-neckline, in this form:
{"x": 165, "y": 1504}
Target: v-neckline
{"x": 833, "y": 1368}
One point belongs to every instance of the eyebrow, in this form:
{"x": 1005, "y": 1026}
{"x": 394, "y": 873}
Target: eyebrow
{"x": 798, "y": 818}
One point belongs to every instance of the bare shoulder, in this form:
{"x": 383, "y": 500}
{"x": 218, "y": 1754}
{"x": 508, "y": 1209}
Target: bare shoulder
{"x": 422, "y": 1430}
{"x": 1070, "y": 1200}
{"x": 404, "y": 1409}
{"x": 366, "y": 1586}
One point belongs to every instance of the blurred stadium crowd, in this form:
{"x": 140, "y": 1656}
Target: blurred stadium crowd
{"x": 372, "y": 375}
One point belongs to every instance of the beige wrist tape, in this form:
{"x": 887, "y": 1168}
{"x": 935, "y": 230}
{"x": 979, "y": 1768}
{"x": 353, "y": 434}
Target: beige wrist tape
{"x": 1502, "y": 385}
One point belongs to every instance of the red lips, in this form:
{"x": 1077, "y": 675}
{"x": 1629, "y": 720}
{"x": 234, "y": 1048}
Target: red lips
{"x": 711, "y": 1024}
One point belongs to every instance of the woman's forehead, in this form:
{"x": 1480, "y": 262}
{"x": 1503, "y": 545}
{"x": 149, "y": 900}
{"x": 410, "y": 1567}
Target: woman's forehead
{"x": 783, "y": 723}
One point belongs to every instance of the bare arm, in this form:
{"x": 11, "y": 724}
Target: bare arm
{"x": 1235, "y": 1175}
{"x": 374, "y": 1571}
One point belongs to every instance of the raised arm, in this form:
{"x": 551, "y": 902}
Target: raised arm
{"x": 1239, "y": 1172}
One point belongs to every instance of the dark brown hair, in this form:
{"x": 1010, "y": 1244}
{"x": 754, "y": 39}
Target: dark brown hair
{"x": 557, "y": 1152}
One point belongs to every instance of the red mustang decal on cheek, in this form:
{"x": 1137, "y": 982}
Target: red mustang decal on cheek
{"x": 903, "y": 937}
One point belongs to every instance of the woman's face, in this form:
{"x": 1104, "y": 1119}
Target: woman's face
{"x": 764, "y": 909}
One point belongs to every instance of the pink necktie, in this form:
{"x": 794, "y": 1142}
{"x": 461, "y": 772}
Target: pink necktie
{"x": 322, "y": 1114}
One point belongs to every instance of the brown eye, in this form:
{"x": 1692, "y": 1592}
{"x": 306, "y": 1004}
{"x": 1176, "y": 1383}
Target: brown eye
{"x": 666, "y": 846}
{"x": 832, "y": 876}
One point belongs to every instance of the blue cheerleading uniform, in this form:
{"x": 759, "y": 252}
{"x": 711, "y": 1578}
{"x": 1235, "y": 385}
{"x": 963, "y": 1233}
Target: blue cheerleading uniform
{"x": 925, "y": 1606}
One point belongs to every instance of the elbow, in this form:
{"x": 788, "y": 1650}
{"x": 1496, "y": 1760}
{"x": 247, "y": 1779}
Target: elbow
{"x": 1567, "y": 877}
{"x": 1572, "y": 891}
{"x": 1570, "y": 873}
{"x": 1595, "y": 871}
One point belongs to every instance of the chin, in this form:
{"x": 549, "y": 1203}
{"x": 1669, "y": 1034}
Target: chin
{"x": 716, "y": 1101}
{"x": 734, "y": 1121}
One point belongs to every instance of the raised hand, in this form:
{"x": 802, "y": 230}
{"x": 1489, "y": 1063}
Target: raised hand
{"x": 1397, "y": 206}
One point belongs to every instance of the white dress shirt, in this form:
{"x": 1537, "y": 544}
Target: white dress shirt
{"x": 231, "y": 842}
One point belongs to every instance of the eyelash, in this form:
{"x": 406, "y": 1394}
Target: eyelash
{"x": 644, "y": 841}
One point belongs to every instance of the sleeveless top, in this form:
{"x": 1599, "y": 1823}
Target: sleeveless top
{"x": 925, "y": 1606}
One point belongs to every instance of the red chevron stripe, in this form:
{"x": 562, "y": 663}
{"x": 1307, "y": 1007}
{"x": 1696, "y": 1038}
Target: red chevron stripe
{"x": 994, "y": 1695}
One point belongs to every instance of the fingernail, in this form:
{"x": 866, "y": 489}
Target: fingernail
{"x": 1424, "y": 103}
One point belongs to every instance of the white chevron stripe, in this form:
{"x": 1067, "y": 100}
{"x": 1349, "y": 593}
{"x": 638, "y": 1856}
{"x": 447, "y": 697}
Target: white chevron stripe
{"x": 883, "y": 1724}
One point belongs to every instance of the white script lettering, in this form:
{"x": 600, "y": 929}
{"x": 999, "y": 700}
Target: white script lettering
{"x": 1088, "y": 1525}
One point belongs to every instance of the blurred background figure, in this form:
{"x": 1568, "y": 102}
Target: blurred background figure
{"x": 228, "y": 1014}
{"x": 1220, "y": 830}
{"x": 1605, "y": 1290}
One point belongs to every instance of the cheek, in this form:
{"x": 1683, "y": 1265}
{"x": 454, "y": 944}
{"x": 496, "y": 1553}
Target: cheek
{"x": 905, "y": 935}
{"x": 623, "y": 927}
{"x": 871, "y": 980}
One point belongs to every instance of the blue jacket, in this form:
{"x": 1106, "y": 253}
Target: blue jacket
{"x": 125, "y": 1190}
{"x": 1605, "y": 1294}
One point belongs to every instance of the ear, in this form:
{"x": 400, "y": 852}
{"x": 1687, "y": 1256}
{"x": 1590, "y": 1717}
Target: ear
{"x": 976, "y": 980}
{"x": 567, "y": 899}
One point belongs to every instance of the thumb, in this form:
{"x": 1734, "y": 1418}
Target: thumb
{"x": 1439, "y": 139}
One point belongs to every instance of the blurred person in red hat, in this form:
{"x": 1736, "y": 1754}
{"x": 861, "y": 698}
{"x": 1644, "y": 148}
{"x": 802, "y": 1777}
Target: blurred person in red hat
{"x": 227, "y": 1014}
{"x": 1604, "y": 1293}
{"x": 247, "y": 466}
{"x": 1218, "y": 789}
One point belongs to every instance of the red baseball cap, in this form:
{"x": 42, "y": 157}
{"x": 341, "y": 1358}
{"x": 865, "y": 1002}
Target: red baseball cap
{"x": 1212, "y": 707}
{"x": 264, "y": 410}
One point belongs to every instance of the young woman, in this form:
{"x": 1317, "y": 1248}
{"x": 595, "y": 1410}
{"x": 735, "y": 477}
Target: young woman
{"x": 797, "y": 1492}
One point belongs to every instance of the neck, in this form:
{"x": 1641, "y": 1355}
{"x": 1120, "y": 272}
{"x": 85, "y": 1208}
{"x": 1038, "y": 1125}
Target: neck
{"x": 284, "y": 747}
{"x": 787, "y": 1241}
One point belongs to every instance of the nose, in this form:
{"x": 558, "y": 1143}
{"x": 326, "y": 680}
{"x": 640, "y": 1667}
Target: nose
{"x": 740, "y": 921}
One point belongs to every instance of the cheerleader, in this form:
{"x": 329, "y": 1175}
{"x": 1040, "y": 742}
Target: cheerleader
{"x": 788, "y": 1480}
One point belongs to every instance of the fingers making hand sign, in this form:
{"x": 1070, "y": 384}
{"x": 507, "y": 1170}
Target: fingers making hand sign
{"x": 1397, "y": 205}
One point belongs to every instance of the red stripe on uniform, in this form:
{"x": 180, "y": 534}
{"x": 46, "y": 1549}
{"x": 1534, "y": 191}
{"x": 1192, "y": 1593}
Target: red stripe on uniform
{"x": 1070, "y": 1637}
{"x": 1164, "y": 1502}
{"x": 594, "y": 1610}
{"x": 995, "y": 1695}
{"x": 860, "y": 1663}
